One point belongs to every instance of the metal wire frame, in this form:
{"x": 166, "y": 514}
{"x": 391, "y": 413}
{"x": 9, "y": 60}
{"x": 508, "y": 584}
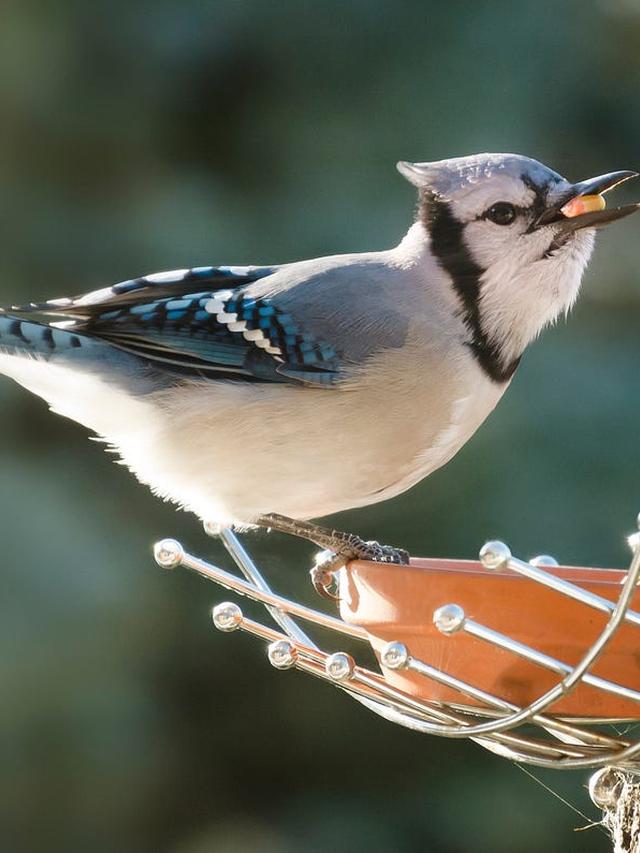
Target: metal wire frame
{"x": 559, "y": 742}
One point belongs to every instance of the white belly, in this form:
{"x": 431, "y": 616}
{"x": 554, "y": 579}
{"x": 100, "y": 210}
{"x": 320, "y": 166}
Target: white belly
{"x": 230, "y": 452}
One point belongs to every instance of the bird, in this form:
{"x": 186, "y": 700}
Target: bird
{"x": 273, "y": 396}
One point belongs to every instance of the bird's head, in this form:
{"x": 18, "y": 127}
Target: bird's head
{"x": 515, "y": 238}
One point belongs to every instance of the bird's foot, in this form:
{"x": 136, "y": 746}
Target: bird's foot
{"x": 323, "y": 574}
{"x": 376, "y": 552}
{"x": 341, "y": 547}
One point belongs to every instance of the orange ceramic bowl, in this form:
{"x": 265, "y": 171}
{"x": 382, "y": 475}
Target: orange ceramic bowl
{"x": 396, "y": 603}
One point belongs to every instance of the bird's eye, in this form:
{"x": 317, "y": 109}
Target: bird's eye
{"x": 502, "y": 213}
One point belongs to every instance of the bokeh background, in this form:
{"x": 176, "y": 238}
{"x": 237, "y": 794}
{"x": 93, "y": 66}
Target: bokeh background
{"x": 154, "y": 134}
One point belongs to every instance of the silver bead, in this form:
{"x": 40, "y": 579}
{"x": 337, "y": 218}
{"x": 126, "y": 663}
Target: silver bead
{"x": 638, "y": 521}
{"x": 227, "y": 616}
{"x": 633, "y": 541}
{"x": 282, "y": 654}
{"x": 449, "y": 618}
{"x": 604, "y": 787}
{"x": 543, "y": 561}
{"x": 339, "y": 666}
{"x": 168, "y": 553}
{"x": 394, "y": 656}
{"x": 212, "y": 529}
{"x": 494, "y": 555}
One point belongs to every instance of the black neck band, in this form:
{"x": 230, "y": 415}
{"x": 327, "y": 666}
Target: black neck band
{"x": 450, "y": 249}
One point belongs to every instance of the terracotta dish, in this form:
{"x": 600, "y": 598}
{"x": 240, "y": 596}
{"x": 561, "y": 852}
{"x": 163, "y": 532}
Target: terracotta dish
{"x": 396, "y": 603}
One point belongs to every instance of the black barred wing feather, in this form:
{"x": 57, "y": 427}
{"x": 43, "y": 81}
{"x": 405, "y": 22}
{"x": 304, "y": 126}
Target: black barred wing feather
{"x": 155, "y": 286}
{"x": 200, "y": 322}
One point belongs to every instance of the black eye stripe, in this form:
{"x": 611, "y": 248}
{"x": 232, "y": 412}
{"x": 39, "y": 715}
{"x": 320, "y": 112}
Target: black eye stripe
{"x": 540, "y": 196}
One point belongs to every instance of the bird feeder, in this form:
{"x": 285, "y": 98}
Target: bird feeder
{"x": 533, "y": 661}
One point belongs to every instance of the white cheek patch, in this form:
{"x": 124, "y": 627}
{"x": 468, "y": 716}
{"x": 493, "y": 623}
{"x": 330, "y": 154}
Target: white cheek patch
{"x": 489, "y": 244}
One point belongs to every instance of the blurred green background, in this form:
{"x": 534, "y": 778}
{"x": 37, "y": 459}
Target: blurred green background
{"x": 153, "y": 134}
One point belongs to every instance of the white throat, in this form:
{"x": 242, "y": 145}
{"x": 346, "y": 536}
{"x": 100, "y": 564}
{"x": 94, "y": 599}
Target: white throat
{"x": 518, "y": 299}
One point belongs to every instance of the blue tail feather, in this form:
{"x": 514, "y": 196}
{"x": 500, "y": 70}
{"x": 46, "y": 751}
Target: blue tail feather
{"x": 26, "y": 336}
{"x": 83, "y": 353}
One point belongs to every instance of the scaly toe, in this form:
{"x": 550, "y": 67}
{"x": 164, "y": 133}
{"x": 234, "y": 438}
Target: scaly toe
{"x": 389, "y": 554}
{"x": 358, "y": 549}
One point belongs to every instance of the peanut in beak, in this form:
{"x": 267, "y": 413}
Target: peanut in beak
{"x": 583, "y": 204}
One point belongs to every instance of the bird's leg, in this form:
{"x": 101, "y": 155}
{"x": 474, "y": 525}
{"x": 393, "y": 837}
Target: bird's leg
{"x": 348, "y": 546}
{"x": 340, "y": 547}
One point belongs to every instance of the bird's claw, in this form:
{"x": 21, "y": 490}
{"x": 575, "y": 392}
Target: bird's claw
{"x": 329, "y": 562}
{"x": 323, "y": 574}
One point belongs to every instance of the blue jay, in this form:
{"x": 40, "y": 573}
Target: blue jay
{"x": 272, "y": 395}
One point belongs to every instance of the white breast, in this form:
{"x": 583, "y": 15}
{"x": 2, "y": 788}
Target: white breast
{"x": 466, "y": 414}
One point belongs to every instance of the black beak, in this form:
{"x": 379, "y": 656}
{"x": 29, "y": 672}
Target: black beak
{"x": 593, "y": 218}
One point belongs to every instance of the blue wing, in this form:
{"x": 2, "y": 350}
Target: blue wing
{"x": 201, "y": 322}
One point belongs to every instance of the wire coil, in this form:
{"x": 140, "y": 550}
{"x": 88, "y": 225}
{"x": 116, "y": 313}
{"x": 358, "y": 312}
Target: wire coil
{"x": 526, "y": 733}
